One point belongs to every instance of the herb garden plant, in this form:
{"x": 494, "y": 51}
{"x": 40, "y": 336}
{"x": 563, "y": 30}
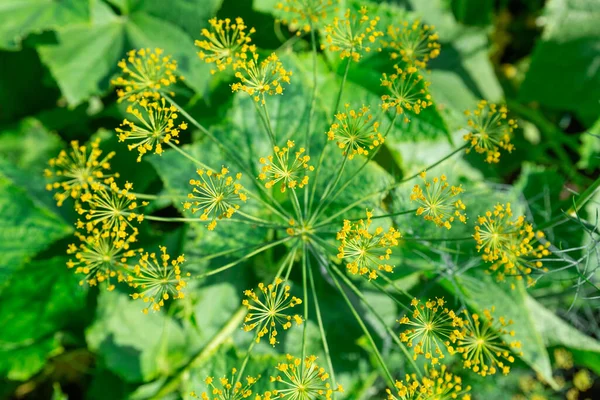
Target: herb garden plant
{"x": 325, "y": 231}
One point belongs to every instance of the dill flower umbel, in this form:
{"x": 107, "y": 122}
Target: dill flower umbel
{"x": 510, "y": 244}
{"x": 76, "y": 170}
{"x": 157, "y": 280}
{"x": 145, "y": 73}
{"x": 225, "y": 43}
{"x": 407, "y": 91}
{"x": 101, "y": 258}
{"x": 111, "y": 208}
{"x": 261, "y": 78}
{"x": 437, "y": 202}
{"x": 352, "y": 35}
{"x": 354, "y": 132}
{"x": 303, "y": 380}
{"x": 155, "y": 125}
{"x": 228, "y": 388}
{"x": 432, "y": 327}
{"x": 482, "y": 347}
{"x": 267, "y": 310}
{"x": 365, "y": 252}
{"x": 280, "y": 167}
{"x": 216, "y": 194}
{"x": 414, "y": 43}
{"x": 490, "y": 130}
{"x": 302, "y": 14}
{"x": 436, "y": 385}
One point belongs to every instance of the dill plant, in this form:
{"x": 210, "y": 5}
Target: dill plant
{"x": 299, "y": 193}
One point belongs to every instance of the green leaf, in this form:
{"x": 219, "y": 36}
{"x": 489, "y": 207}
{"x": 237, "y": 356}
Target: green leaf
{"x": 21, "y": 17}
{"x": 569, "y": 50}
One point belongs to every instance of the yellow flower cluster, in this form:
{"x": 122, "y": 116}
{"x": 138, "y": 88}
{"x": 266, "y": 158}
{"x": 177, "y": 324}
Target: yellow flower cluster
{"x": 157, "y": 280}
{"x": 267, "y": 311}
{"x": 366, "y": 252}
{"x": 280, "y": 167}
{"x": 216, "y": 194}
{"x": 490, "y": 130}
{"x": 303, "y": 380}
{"x": 73, "y": 172}
{"x": 352, "y": 35}
{"x": 407, "y": 91}
{"x": 226, "y": 43}
{"x": 261, "y": 78}
{"x": 228, "y": 388}
{"x": 437, "y": 201}
{"x": 145, "y": 73}
{"x": 155, "y": 125}
{"x": 302, "y": 14}
{"x": 414, "y": 43}
{"x": 355, "y": 132}
{"x": 510, "y": 244}
{"x": 436, "y": 385}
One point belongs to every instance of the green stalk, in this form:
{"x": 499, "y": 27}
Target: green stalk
{"x": 265, "y": 120}
{"x": 313, "y": 100}
{"x": 374, "y": 217}
{"x": 305, "y": 300}
{"x": 190, "y": 157}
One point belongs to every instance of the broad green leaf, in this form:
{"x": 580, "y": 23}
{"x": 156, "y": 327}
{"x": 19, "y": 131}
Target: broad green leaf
{"x": 570, "y": 49}
{"x": 590, "y": 148}
{"x": 39, "y": 301}
{"x": 21, "y": 17}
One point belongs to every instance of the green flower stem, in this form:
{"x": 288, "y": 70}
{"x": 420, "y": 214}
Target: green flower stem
{"x": 245, "y": 362}
{"x": 281, "y": 212}
{"x": 388, "y": 375}
{"x": 313, "y": 100}
{"x": 321, "y": 328}
{"x": 264, "y": 117}
{"x": 297, "y": 208}
{"x": 305, "y": 299}
{"x": 418, "y": 239}
{"x": 339, "y": 222}
{"x": 190, "y": 157}
{"x": 256, "y": 219}
{"x": 204, "y": 354}
{"x": 247, "y": 256}
{"x": 289, "y": 262}
{"x": 389, "y": 330}
{"x": 266, "y": 224}
{"x": 332, "y": 184}
{"x": 400, "y": 290}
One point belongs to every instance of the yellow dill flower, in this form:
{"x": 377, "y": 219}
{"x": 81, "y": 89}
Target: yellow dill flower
{"x": 216, "y": 194}
{"x": 437, "y": 202}
{"x": 267, "y": 310}
{"x": 432, "y": 327}
{"x": 145, "y": 73}
{"x": 280, "y": 167}
{"x": 482, "y": 347}
{"x": 582, "y": 380}
{"x": 303, "y": 380}
{"x": 511, "y": 244}
{"x": 407, "y": 91}
{"x": 157, "y": 280}
{"x": 155, "y": 125}
{"x": 414, "y": 43}
{"x": 435, "y": 385}
{"x": 365, "y": 252}
{"x": 225, "y": 43}
{"x": 226, "y": 388}
{"x": 110, "y": 207}
{"x": 352, "y": 35}
{"x": 74, "y": 171}
{"x": 261, "y": 78}
{"x": 490, "y": 130}
{"x": 301, "y": 14}
{"x": 354, "y": 132}
{"x": 101, "y": 258}
{"x": 563, "y": 359}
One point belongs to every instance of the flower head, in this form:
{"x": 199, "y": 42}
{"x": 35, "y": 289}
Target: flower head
{"x": 432, "y": 328}
{"x": 280, "y": 167}
{"x": 414, "y": 43}
{"x": 489, "y": 130}
{"x": 437, "y": 201}
{"x": 157, "y": 280}
{"x": 354, "y": 132}
{"x": 407, "y": 91}
{"x": 101, "y": 258}
{"x": 438, "y": 384}
{"x": 228, "y": 388}
{"x": 216, "y": 194}
{"x": 303, "y": 380}
{"x": 510, "y": 244}
{"x": 352, "y": 35}
{"x": 267, "y": 310}
{"x": 225, "y": 43}
{"x": 155, "y": 125}
{"x": 261, "y": 78}
{"x": 74, "y": 171}
{"x": 145, "y": 73}
{"x": 302, "y": 14}
{"x": 366, "y": 252}
{"x": 482, "y": 347}
{"x": 111, "y": 208}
